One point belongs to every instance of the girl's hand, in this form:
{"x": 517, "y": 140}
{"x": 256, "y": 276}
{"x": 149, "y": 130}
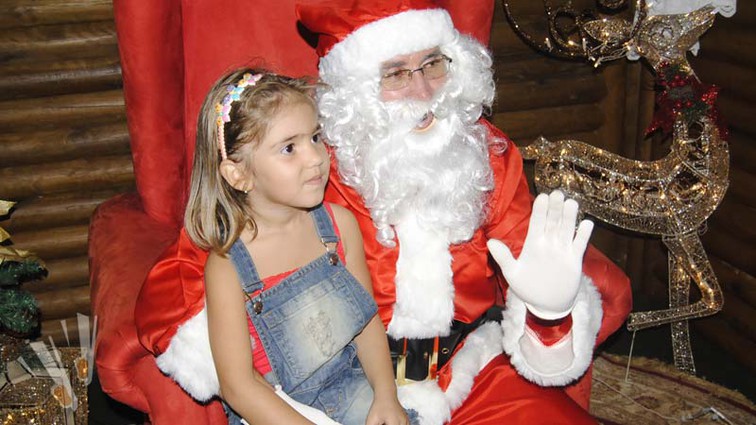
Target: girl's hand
{"x": 386, "y": 411}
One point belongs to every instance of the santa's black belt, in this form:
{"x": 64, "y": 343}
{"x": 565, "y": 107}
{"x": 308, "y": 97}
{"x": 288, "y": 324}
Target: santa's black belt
{"x": 418, "y": 359}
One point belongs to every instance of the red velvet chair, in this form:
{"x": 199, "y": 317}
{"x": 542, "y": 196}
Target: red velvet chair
{"x": 171, "y": 53}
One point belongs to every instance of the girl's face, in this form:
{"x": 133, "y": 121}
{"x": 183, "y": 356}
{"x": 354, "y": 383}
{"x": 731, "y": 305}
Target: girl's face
{"x": 290, "y": 165}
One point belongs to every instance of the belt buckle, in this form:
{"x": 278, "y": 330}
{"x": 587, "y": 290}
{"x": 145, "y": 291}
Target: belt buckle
{"x": 433, "y": 361}
{"x": 401, "y": 368}
{"x": 401, "y": 365}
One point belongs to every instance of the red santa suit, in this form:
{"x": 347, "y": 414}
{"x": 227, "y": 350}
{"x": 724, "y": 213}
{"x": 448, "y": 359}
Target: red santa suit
{"x": 480, "y": 385}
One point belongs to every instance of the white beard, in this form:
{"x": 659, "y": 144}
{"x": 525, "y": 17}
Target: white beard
{"x": 426, "y": 188}
{"x": 440, "y": 174}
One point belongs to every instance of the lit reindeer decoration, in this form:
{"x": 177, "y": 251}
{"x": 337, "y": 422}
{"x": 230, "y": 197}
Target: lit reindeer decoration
{"x": 671, "y": 197}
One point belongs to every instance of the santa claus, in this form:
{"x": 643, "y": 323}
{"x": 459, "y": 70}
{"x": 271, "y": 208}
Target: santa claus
{"x": 434, "y": 186}
{"x": 431, "y": 183}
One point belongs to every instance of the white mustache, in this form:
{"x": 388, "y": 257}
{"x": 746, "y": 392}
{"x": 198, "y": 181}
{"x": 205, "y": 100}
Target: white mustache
{"x": 406, "y": 114}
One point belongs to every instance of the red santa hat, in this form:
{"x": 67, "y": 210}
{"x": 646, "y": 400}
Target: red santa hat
{"x": 356, "y": 36}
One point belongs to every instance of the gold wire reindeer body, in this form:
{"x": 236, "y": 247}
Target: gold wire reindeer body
{"x": 671, "y": 197}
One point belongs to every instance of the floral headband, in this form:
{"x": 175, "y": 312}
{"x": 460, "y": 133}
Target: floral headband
{"x": 224, "y": 107}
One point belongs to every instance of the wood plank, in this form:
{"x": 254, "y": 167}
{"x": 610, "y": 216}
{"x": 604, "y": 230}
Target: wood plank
{"x": 735, "y": 219}
{"x": 64, "y": 143}
{"x": 86, "y": 174}
{"x": 58, "y": 42}
{"x": 519, "y": 8}
{"x": 734, "y": 79}
{"x": 735, "y": 280}
{"x": 53, "y": 328}
{"x": 505, "y": 42}
{"x": 104, "y": 76}
{"x": 730, "y": 42}
{"x": 62, "y": 273}
{"x": 742, "y": 151}
{"x": 550, "y": 92}
{"x": 739, "y": 315}
{"x": 63, "y": 303}
{"x": 61, "y": 66}
{"x": 89, "y": 109}
{"x": 530, "y": 66}
{"x": 54, "y": 243}
{"x": 738, "y": 114}
{"x": 18, "y": 13}
{"x": 741, "y": 184}
{"x": 736, "y": 251}
{"x": 57, "y": 210}
{"x": 530, "y": 124}
{"x": 719, "y": 333}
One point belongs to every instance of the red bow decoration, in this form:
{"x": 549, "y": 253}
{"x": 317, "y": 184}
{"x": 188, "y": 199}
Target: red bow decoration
{"x": 684, "y": 95}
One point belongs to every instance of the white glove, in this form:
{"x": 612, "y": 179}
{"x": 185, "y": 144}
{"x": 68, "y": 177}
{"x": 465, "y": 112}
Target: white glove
{"x": 547, "y": 274}
{"x": 310, "y": 413}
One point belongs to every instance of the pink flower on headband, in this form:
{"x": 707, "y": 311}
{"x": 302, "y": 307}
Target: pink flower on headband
{"x": 224, "y": 107}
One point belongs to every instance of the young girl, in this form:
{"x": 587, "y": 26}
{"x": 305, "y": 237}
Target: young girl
{"x": 286, "y": 271}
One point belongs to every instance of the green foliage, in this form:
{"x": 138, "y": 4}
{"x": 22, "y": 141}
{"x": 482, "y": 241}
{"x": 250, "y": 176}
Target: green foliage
{"x": 14, "y": 273}
{"x": 19, "y": 313}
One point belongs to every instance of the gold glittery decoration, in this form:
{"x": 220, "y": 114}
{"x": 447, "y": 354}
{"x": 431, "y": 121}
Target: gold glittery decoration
{"x": 34, "y": 401}
{"x": 81, "y": 365}
{"x": 10, "y": 349}
{"x": 668, "y": 37}
{"x": 671, "y": 197}
{"x": 577, "y": 33}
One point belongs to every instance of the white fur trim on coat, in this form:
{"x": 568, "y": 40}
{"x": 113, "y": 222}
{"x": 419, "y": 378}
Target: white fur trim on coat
{"x": 189, "y": 361}
{"x": 361, "y": 52}
{"x": 424, "y": 305}
{"x": 434, "y": 406}
{"x": 536, "y": 362}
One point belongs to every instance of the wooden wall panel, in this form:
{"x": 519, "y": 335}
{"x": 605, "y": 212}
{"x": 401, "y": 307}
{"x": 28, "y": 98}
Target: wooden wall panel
{"x": 63, "y": 138}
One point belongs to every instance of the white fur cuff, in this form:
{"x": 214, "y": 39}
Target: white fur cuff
{"x": 565, "y": 361}
{"x": 189, "y": 361}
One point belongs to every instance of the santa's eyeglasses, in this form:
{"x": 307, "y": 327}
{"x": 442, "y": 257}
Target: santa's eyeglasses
{"x": 431, "y": 70}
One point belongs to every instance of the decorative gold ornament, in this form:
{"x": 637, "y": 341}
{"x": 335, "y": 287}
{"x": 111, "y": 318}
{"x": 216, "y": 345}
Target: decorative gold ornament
{"x": 671, "y": 197}
{"x": 44, "y": 401}
{"x": 7, "y": 253}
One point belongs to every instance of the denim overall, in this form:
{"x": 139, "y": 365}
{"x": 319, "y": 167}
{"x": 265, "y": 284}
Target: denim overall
{"x": 307, "y": 324}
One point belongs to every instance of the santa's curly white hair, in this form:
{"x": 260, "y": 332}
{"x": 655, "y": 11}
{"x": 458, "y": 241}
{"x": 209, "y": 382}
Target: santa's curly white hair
{"x": 442, "y": 172}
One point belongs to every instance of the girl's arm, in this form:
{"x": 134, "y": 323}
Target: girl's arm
{"x": 372, "y": 345}
{"x": 241, "y": 386}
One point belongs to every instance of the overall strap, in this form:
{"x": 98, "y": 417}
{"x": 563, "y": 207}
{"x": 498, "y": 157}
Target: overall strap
{"x": 325, "y": 228}
{"x": 245, "y": 267}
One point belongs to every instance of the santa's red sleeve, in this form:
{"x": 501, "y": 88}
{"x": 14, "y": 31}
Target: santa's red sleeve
{"x": 171, "y": 319}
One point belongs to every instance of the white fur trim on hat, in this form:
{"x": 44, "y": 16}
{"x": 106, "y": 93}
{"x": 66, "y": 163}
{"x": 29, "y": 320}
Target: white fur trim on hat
{"x": 362, "y": 52}
{"x": 189, "y": 361}
{"x": 564, "y": 361}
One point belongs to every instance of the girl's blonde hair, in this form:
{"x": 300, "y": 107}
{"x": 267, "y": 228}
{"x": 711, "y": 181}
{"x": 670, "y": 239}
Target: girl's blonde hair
{"x": 216, "y": 213}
